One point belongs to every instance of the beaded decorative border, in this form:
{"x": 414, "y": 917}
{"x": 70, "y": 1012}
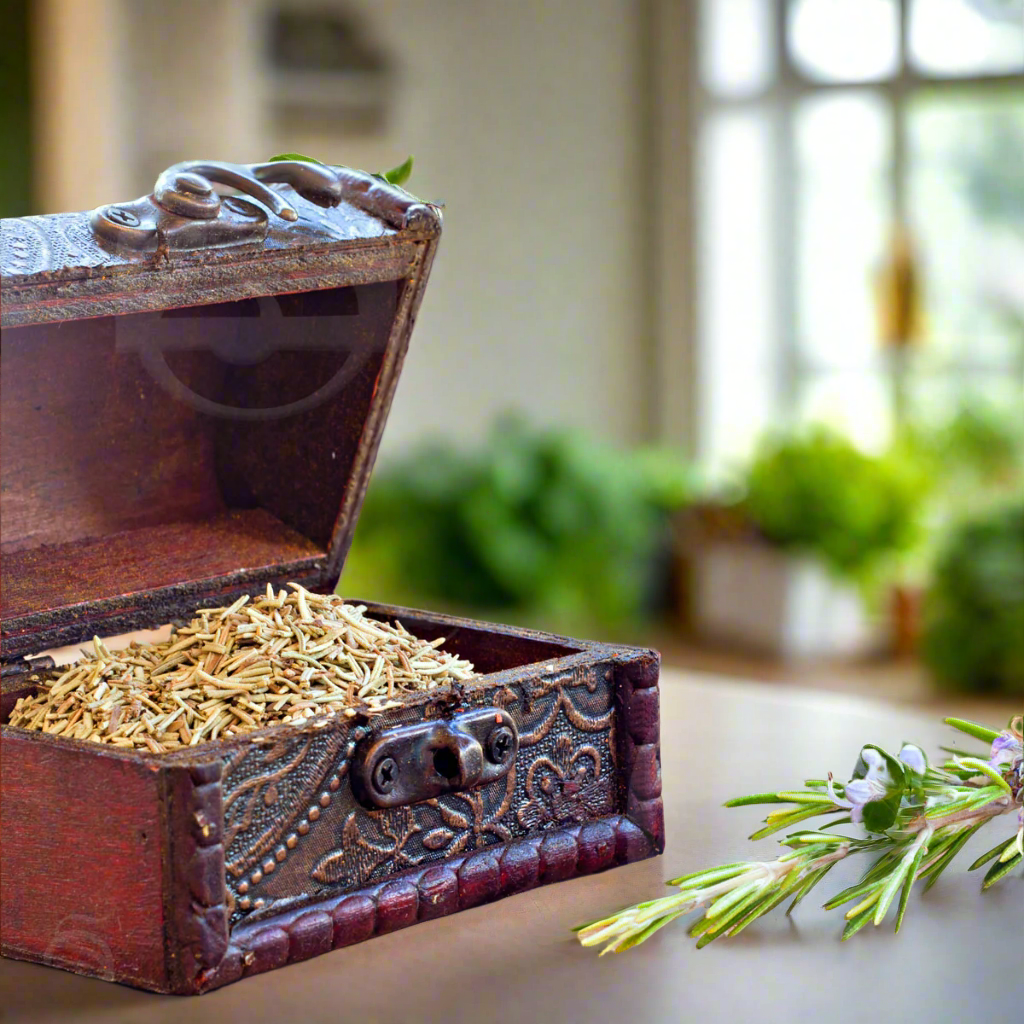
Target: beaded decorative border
{"x": 425, "y": 893}
{"x": 207, "y": 956}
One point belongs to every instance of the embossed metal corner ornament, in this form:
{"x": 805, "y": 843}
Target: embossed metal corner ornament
{"x": 185, "y": 211}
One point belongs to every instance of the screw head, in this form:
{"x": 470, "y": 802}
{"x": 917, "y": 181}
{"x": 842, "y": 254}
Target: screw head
{"x": 119, "y": 215}
{"x": 500, "y": 742}
{"x": 385, "y": 775}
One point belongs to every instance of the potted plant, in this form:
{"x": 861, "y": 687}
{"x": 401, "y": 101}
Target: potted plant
{"x": 974, "y": 461}
{"x": 789, "y": 568}
{"x": 973, "y": 635}
{"x": 534, "y": 525}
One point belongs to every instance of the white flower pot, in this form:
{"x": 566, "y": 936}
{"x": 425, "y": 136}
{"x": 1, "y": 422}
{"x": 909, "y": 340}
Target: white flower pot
{"x": 750, "y": 595}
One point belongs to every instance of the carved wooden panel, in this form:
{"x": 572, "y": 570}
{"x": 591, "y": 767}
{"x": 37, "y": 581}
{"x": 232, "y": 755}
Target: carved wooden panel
{"x": 294, "y": 833}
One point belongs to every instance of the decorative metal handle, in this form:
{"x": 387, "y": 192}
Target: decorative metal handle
{"x": 185, "y": 211}
{"x": 418, "y": 762}
{"x": 187, "y": 188}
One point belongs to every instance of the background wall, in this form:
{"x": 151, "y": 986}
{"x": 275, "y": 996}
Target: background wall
{"x": 689, "y": 221}
{"x": 528, "y": 120}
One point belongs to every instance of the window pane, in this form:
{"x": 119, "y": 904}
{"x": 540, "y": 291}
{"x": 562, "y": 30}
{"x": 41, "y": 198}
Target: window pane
{"x": 737, "y": 344}
{"x": 842, "y": 223}
{"x": 965, "y": 183}
{"x": 844, "y": 40}
{"x": 736, "y": 55}
{"x": 857, "y": 404}
{"x": 967, "y": 37}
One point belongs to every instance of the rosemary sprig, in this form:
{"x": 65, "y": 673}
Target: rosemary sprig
{"x": 916, "y": 818}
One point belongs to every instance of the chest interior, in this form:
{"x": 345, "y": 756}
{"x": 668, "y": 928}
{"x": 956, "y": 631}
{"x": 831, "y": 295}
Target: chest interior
{"x": 180, "y": 448}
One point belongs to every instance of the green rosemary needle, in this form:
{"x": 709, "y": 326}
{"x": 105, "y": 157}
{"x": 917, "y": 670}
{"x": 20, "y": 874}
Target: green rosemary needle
{"x": 915, "y": 818}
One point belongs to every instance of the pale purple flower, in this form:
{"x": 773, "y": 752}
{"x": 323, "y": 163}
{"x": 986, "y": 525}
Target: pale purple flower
{"x": 856, "y": 794}
{"x": 877, "y": 781}
{"x": 1006, "y": 749}
{"x": 914, "y": 758}
{"x": 877, "y": 769}
{"x": 859, "y": 792}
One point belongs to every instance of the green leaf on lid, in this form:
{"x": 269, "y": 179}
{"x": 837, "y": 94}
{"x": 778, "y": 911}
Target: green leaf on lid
{"x": 399, "y": 175}
{"x": 295, "y": 156}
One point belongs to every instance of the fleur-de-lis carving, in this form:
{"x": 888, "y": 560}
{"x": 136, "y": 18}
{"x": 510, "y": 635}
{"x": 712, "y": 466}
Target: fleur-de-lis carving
{"x": 567, "y": 787}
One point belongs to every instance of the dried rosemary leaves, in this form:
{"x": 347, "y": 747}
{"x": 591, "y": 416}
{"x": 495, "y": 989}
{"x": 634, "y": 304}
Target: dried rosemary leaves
{"x": 279, "y": 658}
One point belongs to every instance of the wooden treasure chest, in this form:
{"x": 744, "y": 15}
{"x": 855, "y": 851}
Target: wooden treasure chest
{"x": 194, "y": 387}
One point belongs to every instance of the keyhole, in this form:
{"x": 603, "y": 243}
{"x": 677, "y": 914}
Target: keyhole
{"x": 446, "y": 764}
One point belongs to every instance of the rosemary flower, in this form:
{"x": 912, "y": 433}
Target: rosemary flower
{"x": 915, "y": 818}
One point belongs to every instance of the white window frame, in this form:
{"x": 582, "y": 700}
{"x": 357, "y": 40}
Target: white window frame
{"x": 682, "y": 105}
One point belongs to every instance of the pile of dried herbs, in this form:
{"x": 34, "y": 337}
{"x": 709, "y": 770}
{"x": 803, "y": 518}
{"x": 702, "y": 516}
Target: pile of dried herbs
{"x": 279, "y": 658}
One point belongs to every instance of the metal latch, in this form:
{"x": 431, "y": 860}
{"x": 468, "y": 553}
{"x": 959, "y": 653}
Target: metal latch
{"x": 185, "y": 211}
{"x": 417, "y": 762}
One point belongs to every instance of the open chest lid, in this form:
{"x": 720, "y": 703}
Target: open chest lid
{"x": 194, "y": 389}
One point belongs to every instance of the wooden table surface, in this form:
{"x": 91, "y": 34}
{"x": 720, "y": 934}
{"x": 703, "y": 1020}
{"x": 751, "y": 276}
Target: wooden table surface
{"x": 959, "y": 955}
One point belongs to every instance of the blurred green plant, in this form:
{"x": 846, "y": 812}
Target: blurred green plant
{"x": 813, "y": 491}
{"x": 972, "y": 461}
{"x": 984, "y": 440}
{"x": 975, "y": 457}
{"x": 974, "y": 608}
{"x": 547, "y": 522}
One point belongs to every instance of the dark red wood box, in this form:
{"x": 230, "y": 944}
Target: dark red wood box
{"x": 193, "y": 393}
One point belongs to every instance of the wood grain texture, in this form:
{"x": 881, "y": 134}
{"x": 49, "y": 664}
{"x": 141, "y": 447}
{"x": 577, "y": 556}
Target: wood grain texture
{"x": 96, "y": 450}
{"x": 151, "y": 558}
{"x": 83, "y": 848}
{"x": 88, "y": 448}
{"x": 266, "y": 858}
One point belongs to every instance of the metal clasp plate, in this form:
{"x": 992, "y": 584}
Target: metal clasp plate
{"x": 185, "y": 212}
{"x": 417, "y": 762}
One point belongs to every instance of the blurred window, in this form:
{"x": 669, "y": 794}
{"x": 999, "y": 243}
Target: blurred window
{"x": 735, "y": 47}
{"x": 966, "y": 37}
{"x": 736, "y": 177}
{"x": 844, "y": 40}
{"x": 860, "y": 222}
